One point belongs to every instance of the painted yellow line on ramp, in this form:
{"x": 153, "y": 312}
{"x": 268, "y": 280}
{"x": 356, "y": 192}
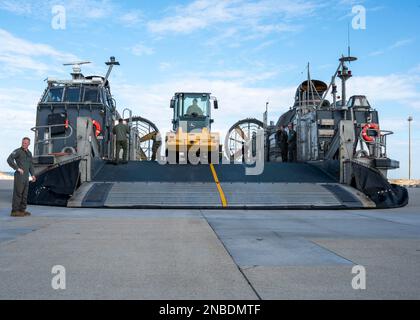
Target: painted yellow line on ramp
{"x": 219, "y": 187}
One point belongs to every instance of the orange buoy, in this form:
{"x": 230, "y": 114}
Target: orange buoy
{"x": 366, "y": 127}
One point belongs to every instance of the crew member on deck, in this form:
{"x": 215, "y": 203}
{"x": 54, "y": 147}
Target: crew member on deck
{"x": 291, "y": 143}
{"x": 121, "y": 130}
{"x": 282, "y": 143}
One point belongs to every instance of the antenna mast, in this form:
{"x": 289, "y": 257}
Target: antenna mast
{"x": 348, "y": 39}
{"x": 111, "y": 63}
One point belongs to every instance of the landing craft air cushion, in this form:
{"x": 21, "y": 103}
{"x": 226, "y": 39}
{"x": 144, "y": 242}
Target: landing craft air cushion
{"x": 341, "y": 153}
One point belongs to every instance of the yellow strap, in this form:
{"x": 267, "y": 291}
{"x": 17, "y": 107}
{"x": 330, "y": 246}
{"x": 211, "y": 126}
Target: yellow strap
{"x": 219, "y": 187}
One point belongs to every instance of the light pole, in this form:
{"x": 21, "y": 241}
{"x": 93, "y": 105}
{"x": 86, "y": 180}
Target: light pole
{"x": 410, "y": 118}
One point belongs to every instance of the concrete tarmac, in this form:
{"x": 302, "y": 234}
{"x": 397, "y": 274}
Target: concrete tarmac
{"x": 209, "y": 254}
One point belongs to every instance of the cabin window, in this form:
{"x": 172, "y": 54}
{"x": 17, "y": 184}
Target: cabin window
{"x": 361, "y": 102}
{"x": 54, "y": 95}
{"x": 72, "y": 94}
{"x": 358, "y": 102}
{"x": 195, "y": 105}
{"x": 91, "y": 95}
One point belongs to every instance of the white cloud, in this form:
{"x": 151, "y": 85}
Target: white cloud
{"x": 140, "y": 50}
{"x": 241, "y": 76}
{"x": 175, "y": 24}
{"x": 415, "y": 70}
{"x": 395, "y": 45}
{"x": 399, "y": 88}
{"x": 163, "y": 66}
{"x": 18, "y": 117}
{"x": 376, "y": 53}
{"x": 230, "y": 33}
{"x": 397, "y": 148}
{"x": 197, "y": 15}
{"x": 17, "y": 54}
{"x": 397, "y": 123}
{"x": 12, "y": 64}
{"x": 350, "y": 2}
{"x": 11, "y": 44}
{"x": 248, "y": 15}
{"x": 131, "y": 18}
{"x": 77, "y": 11}
{"x": 281, "y": 27}
{"x": 17, "y": 7}
{"x": 401, "y": 43}
{"x": 397, "y": 144}
{"x": 82, "y": 9}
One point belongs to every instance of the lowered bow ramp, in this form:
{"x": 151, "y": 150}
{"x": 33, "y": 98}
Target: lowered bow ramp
{"x": 149, "y": 195}
{"x": 289, "y": 195}
{"x": 150, "y": 185}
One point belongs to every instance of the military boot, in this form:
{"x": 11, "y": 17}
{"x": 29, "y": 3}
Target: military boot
{"x": 17, "y": 214}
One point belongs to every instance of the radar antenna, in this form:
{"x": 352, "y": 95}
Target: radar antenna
{"x": 77, "y": 70}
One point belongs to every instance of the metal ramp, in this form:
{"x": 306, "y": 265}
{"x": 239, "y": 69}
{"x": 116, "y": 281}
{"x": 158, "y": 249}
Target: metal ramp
{"x": 280, "y": 186}
{"x": 151, "y": 195}
{"x": 285, "y": 195}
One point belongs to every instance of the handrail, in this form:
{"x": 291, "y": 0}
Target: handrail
{"x": 382, "y": 141}
{"x": 49, "y": 127}
{"x": 48, "y": 140}
{"x": 386, "y": 132}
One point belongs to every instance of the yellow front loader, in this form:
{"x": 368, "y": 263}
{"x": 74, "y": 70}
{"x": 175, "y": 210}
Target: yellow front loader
{"x": 191, "y": 139}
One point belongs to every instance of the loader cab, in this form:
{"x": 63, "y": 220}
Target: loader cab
{"x": 192, "y": 111}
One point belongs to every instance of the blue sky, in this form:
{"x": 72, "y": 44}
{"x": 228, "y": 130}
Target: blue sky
{"x": 244, "y": 52}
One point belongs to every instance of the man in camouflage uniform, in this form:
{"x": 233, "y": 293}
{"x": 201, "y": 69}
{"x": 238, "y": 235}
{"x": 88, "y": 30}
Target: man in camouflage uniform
{"x": 121, "y": 130}
{"x": 292, "y": 143}
{"x": 21, "y": 161}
